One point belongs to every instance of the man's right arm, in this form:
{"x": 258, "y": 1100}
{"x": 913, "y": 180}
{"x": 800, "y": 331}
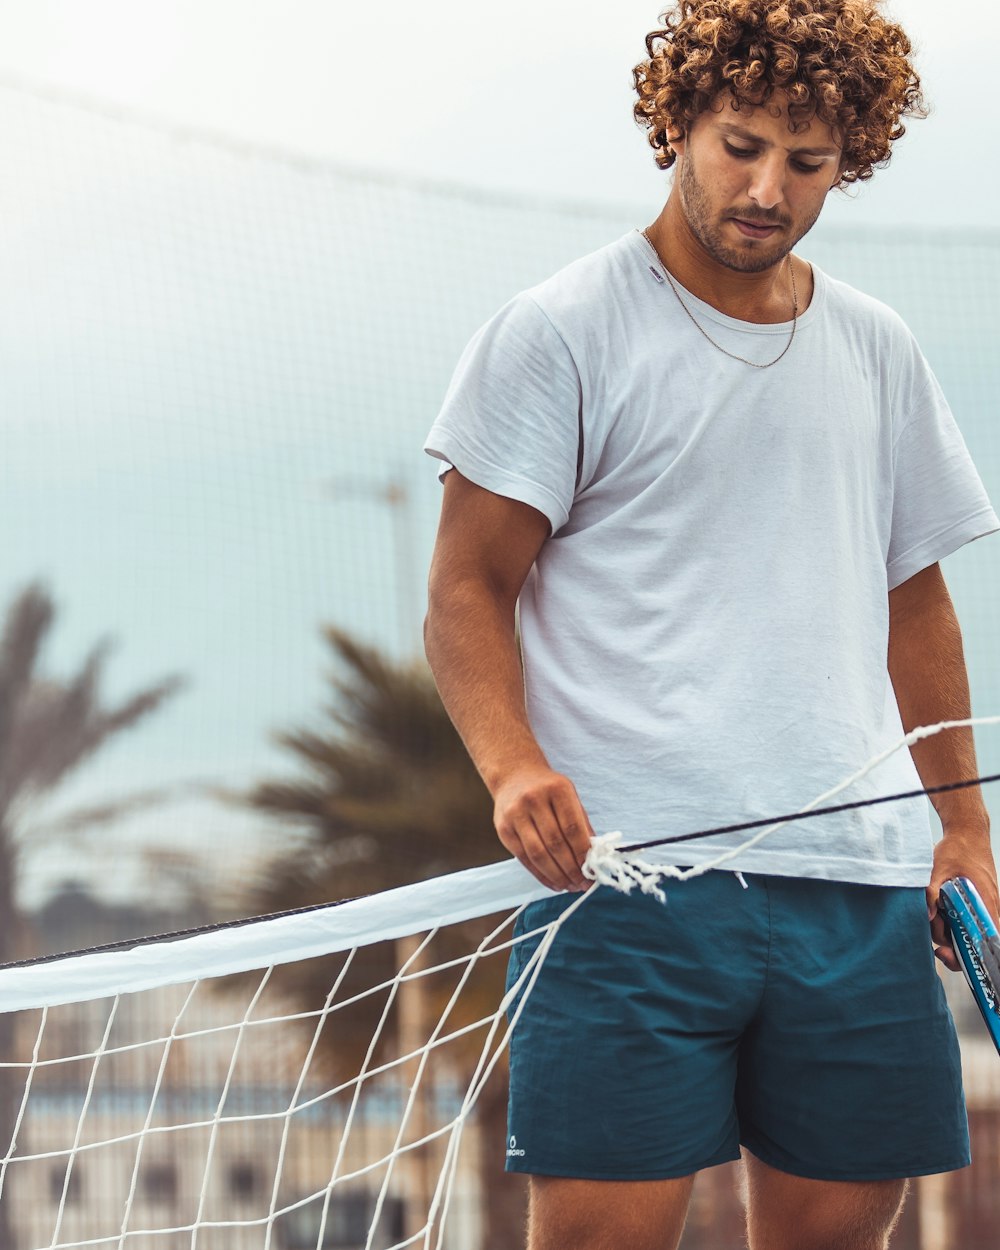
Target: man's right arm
{"x": 485, "y": 548}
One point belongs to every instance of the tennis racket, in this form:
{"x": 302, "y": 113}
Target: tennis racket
{"x": 977, "y": 942}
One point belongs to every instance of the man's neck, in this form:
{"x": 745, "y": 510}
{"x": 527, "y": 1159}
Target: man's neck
{"x": 758, "y": 297}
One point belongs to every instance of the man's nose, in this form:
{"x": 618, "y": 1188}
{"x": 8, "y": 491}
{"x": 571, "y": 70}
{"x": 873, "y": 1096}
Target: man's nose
{"x": 767, "y": 186}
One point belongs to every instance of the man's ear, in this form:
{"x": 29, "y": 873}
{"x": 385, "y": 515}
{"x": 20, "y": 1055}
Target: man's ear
{"x": 677, "y": 141}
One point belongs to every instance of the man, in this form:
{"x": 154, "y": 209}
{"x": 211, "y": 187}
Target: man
{"x": 718, "y": 484}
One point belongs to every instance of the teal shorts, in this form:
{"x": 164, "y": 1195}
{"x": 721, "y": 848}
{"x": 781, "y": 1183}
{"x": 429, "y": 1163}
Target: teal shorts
{"x": 801, "y": 1019}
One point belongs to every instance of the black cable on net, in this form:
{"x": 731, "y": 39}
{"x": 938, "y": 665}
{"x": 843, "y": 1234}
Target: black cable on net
{"x": 746, "y": 825}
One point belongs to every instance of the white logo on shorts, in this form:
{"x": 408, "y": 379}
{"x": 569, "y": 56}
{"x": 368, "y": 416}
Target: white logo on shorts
{"x": 512, "y": 1150}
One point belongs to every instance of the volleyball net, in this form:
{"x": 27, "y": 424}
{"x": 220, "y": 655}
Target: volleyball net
{"x": 171, "y": 1092}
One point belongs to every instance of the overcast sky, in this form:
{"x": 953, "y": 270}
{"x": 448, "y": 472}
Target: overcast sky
{"x": 530, "y": 95}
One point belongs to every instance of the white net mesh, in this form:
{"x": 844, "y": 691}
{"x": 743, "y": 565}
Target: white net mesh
{"x": 210, "y": 1113}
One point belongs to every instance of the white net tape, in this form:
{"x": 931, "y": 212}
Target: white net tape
{"x": 161, "y": 1101}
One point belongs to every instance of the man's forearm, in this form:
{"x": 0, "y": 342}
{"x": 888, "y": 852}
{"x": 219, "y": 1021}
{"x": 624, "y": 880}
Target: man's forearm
{"x": 486, "y": 547}
{"x": 927, "y": 668}
{"x": 472, "y": 650}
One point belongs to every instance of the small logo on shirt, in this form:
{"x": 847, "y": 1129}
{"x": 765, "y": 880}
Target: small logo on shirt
{"x": 512, "y": 1150}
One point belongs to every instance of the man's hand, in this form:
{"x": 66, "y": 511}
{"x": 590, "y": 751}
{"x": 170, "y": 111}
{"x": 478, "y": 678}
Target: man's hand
{"x": 960, "y": 855}
{"x": 540, "y": 820}
{"x": 927, "y": 667}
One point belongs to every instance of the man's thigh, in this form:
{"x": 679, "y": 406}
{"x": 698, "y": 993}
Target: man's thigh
{"x": 784, "y": 1212}
{"x": 569, "y": 1214}
{"x": 796, "y": 1213}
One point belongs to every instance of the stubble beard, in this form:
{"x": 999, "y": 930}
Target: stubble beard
{"x": 750, "y": 258}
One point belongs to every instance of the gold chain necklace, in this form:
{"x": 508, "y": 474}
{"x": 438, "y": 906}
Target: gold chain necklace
{"x": 697, "y": 325}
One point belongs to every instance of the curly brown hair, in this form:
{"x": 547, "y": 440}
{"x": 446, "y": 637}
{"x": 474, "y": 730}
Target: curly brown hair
{"x": 838, "y": 60}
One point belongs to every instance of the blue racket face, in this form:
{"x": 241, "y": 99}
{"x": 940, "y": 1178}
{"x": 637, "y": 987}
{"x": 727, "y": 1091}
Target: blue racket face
{"x": 975, "y": 938}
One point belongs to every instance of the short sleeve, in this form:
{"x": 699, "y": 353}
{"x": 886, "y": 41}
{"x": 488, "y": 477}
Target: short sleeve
{"x": 510, "y": 421}
{"x": 939, "y": 501}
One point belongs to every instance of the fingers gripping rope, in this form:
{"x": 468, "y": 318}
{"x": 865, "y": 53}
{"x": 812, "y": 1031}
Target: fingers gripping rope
{"x": 607, "y": 863}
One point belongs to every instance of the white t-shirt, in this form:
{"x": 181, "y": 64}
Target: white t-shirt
{"x": 705, "y": 632}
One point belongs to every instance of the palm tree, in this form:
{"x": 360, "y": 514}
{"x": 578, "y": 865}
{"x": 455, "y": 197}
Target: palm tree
{"x": 48, "y": 728}
{"x": 387, "y": 796}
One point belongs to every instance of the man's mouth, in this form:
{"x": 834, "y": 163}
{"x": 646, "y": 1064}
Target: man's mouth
{"x": 755, "y": 229}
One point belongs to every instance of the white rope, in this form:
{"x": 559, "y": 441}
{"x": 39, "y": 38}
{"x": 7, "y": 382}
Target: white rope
{"x": 523, "y": 985}
{"x": 362, "y": 1076}
{"x": 223, "y": 1099}
{"x": 606, "y": 864}
{"x": 145, "y": 1130}
{"x": 279, "y": 1168}
{"x": 29, "y": 1078}
{"x": 397, "y": 1146}
{"x": 99, "y": 1054}
{"x": 623, "y": 870}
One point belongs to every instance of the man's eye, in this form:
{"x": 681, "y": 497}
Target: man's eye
{"x": 805, "y": 168}
{"x": 742, "y": 152}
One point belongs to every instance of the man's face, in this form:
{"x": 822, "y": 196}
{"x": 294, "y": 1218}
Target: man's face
{"x": 749, "y": 187}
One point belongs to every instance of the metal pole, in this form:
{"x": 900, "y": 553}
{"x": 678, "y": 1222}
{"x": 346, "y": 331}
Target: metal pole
{"x": 412, "y": 1003}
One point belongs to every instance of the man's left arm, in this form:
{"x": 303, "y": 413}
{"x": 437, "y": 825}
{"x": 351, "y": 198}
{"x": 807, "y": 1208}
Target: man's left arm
{"x": 927, "y": 668}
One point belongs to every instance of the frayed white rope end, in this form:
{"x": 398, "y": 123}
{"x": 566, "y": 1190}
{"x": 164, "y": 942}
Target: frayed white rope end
{"x": 607, "y": 865}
